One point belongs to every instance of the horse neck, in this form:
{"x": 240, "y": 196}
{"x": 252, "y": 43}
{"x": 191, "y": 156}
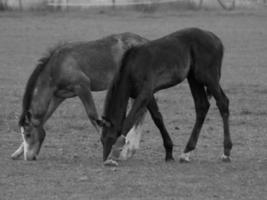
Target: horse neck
{"x": 36, "y": 98}
{"x": 117, "y": 101}
{"x": 37, "y": 92}
{"x": 42, "y": 95}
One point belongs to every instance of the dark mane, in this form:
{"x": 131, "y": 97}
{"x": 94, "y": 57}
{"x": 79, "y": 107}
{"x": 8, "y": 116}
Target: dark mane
{"x": 120, "y": 82}
{"x": 27, "y": 98}
{"x": 116, "y": 83}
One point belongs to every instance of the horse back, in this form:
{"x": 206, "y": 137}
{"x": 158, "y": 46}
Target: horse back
{"x": 169, "y": 60}
{"x": 161, "y": 63}
{"x": 206, "y": 52}
{"x": 97, "y": 60}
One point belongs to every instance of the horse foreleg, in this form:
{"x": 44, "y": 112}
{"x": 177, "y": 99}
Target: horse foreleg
{"x": 133, "y": 138}
{"x": 201, "y": 106}
{"x": 54, "y": 103}
{"x": 135, "y": 115}
{"x": 132, "y": 142}
{"x": 84, "y": 93}
{"x": 158, "y": 120}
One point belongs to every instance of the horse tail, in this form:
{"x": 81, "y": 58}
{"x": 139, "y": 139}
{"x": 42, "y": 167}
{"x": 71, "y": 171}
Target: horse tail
{"x": 27, "y": 98}
{"x": 124, "y": 61}
{"x": 115, "y": 82}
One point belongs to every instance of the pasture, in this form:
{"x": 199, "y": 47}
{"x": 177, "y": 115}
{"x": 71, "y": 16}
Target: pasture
{"x": 70, "y": 163}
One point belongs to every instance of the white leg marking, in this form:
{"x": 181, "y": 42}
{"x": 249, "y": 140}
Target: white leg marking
{"x": 18, "y": 152}
{"x": 132, "y": 143}
{"x": 25, "y": 144}
{"x": 111, "y": 163}
{"x": 134, "y": 137}
{"x": 185, "y": 157}
{"x": 225, "y": 158}
{"x": 24, "y": 148}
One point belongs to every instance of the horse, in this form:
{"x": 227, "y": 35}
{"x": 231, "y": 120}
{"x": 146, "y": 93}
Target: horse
{"x": 68, "y": 70}
{"x": 191, "y": 53}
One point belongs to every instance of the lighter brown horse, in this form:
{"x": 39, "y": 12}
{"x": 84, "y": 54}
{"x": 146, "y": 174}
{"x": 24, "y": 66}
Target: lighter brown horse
{"x": 69, "y": 70}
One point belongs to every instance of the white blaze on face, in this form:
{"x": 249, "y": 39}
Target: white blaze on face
{"x": 132, "y": 143}
{"x": 25, "y": 144}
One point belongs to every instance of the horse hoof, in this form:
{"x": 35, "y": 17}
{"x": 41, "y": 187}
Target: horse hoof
{"x": 171, "y": 159}
{"x": 182, "y": 160}
{"x": 111, "y": 163}
{"x": 225, "y": 158}
{"x": 185, "y": 158}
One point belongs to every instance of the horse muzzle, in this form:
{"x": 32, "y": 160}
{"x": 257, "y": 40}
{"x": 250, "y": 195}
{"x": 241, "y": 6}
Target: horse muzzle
{"x": 30, "y": 155}
{"x": 27, "y": 154}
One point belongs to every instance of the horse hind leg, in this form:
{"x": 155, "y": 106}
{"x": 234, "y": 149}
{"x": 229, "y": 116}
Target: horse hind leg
{"x": 222, "y": 103}
{"x": 201, "y": 107}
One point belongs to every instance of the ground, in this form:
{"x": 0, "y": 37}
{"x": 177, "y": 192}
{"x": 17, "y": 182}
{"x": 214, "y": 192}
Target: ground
{"x": 70, "y": 163}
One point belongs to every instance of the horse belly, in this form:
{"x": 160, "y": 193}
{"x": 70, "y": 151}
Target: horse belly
{"x": 101, "y": 82}
{"x": 171, "y": 77}
{"x": 64, "y": 94}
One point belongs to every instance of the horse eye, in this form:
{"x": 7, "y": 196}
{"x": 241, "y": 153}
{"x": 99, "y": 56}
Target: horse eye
{"x": 27, "y": 135}
{"x": 27, "y": 128}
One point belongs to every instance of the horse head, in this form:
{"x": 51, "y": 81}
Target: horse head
{"x": 108, "y": 136}
{"x": 33, "y": 136}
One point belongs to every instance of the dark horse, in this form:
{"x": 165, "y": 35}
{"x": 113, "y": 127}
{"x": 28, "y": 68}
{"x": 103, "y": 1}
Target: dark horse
{"x": 69, "y": 70}
{"x": 190, "y": 53}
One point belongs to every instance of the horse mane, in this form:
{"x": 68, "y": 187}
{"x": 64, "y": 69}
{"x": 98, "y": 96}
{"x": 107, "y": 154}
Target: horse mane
{"x": 27, "y": 98}
{"x": 116, "y": 84}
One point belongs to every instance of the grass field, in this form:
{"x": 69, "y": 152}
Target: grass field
{"x": 70, "y": 164}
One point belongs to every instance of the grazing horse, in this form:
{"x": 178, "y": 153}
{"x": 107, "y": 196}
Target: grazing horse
{"x": 69, "y": 70}
{"x": 190, "y": 53}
